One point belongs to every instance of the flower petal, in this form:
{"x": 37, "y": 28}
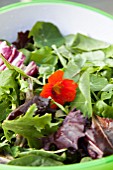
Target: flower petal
{"x": 56, "y": 77}
{"x": 61, "y": 90}
{"x": 69, "y": 90}
{"x": 46, "y": 92}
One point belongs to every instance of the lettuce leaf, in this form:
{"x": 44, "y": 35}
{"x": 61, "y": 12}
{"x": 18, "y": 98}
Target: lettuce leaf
{"x": 30, "y": 126}
{"x": 37, "y": 158}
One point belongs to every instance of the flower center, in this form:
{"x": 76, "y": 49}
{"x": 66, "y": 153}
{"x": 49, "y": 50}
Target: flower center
{"x": 57, "y": 88}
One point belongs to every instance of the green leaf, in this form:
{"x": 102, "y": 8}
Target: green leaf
{"x": 86, "y": 43}
{"x": 37, "y": 158}
{"x": 97, "y": 82}
{"x": 46, "y": 34}
{"x": 29, "y": 126}
{"x": 103, "y": 109}
{"x": 79, "y": 103}
{"x": 86, "y": 159}
{"x": 108, "y": 87}
{"x": 108, "y": 51}
{"x": 84, "y": 86}
{"x": 4, "y": 109}
{"x": 11, "y": 67}
{"x": 92, "y": 58}
{"x": 46, "y": 69}
{"x": 43, "y": 55}
{"x": 27, "y": 53}
{"x": 72, "y": 71}
{"x": 18, "y": 70}
{"x": 9, "y": 92}
{"x": 106, "y": 95}
{"x": 61, "y": 58}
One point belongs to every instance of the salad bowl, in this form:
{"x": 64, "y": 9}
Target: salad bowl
{"x": 70, "y": 18}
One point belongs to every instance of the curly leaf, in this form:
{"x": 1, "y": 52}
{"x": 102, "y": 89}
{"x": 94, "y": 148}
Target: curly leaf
{"x": 29, "y": 126}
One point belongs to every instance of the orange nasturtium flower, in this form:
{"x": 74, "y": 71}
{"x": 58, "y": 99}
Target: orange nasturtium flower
{"x": 60, "y": 89}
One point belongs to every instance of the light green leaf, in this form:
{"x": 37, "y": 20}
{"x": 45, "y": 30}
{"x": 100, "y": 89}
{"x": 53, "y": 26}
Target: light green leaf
{"x": 72, "y": 71}
{"x": 97, "y": 82}
{"x": 43, "y": 55}
{"x": 86, "y": 43}
{"x": 84, "y": 86}
{"x": 37, "y": 158}
{"x": 29, "y": 126}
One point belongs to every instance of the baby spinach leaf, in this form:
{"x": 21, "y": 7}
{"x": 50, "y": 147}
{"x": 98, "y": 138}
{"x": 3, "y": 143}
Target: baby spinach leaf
{"x": 46, "y": 34}
{"x": 86, "y": 43}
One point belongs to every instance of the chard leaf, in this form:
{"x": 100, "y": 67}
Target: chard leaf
{"x": 29, "y": 126}
{"x": 46, "y": 34}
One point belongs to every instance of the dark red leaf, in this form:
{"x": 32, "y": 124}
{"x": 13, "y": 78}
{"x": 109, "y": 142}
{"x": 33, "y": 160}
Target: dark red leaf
{"x": 42, "y": 105}
{"x": 22, "y": 40}
{"x": 71, "y": 130}
{"x": 100, "y": 137}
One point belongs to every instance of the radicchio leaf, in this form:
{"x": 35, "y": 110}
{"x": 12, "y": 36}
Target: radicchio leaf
{"x": 16, "y": 58}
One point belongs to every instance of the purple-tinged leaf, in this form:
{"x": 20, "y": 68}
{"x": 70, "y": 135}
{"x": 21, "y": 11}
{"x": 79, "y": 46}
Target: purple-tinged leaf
{"x": 41, "y": 103}
{"x": 22, "y": 40}
{"x": 71, "y": 130}
{"x": 100, "y": 137}
{"x": 31, "y": 69}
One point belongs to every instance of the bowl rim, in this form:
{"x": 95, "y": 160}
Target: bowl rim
{"x": 97, "y": 162}
{"x": 63, "y": 2}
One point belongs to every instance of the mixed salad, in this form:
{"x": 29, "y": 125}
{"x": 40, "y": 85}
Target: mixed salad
{"x": 56, "y": 98}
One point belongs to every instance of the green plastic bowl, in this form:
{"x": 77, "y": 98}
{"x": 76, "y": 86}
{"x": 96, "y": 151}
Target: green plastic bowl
{"x": 70, "y": 17}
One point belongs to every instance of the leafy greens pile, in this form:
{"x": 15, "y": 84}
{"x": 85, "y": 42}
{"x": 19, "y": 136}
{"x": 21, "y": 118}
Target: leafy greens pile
{"x": 31, "y": 132}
